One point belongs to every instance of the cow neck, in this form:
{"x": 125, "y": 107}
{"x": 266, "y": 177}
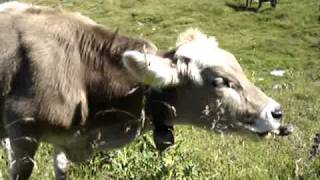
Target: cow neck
{"x": 101, "y": 52}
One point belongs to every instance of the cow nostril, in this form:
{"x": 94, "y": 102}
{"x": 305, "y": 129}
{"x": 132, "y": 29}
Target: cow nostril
{"x": 277, "y": 113}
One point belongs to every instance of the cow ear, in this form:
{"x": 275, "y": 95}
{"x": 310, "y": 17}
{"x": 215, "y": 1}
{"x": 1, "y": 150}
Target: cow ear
{"x": 150, "y": 69}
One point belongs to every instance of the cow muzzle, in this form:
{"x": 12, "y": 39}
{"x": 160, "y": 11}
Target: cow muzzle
{"x": 270, "y": 120}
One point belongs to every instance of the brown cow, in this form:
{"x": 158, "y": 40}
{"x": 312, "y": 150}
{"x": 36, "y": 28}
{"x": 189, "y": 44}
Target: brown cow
{"x": 58, "y": 70}
{"x": 70, "y": 82}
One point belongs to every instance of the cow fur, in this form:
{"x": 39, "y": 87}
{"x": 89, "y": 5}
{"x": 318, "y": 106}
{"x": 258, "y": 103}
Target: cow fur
{"x": 58, "y": 70}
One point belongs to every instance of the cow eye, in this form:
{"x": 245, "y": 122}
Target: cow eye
{"x": 220, "y": 82}
{"x": 185, "y": 59}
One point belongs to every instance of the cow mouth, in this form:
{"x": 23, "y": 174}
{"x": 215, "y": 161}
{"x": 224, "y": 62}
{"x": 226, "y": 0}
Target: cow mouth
{"x": 283, "y": 130}
{"x": 252, "y": 125}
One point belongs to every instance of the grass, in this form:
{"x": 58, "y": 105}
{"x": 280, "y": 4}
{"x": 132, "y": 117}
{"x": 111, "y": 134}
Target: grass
{"x": 287, "y": 38}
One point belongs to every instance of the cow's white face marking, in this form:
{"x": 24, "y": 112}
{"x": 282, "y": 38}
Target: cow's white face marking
{"x": 203, "y": 52}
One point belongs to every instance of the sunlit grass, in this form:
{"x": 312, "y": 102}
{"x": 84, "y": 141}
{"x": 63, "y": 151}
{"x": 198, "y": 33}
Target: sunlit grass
{"x": 285, "y": 38}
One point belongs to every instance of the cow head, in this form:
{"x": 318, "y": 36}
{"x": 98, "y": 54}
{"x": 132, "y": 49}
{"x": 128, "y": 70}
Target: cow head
{"x": 212, "y": 89}
{"x": 216, "y": 92}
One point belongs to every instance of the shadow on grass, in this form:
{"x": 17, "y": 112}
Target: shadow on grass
{"x": 316, "y": 45}
{"x": 240, "y": 7}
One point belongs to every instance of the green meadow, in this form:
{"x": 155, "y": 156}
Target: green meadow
{"x": 286, "y": 38}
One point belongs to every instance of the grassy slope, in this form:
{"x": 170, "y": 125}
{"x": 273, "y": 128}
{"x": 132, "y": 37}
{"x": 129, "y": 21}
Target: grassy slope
{"x": 285, "y": 38}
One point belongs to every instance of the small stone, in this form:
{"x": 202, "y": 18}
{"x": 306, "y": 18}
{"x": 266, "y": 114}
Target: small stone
{"x": 278, "y": 73}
